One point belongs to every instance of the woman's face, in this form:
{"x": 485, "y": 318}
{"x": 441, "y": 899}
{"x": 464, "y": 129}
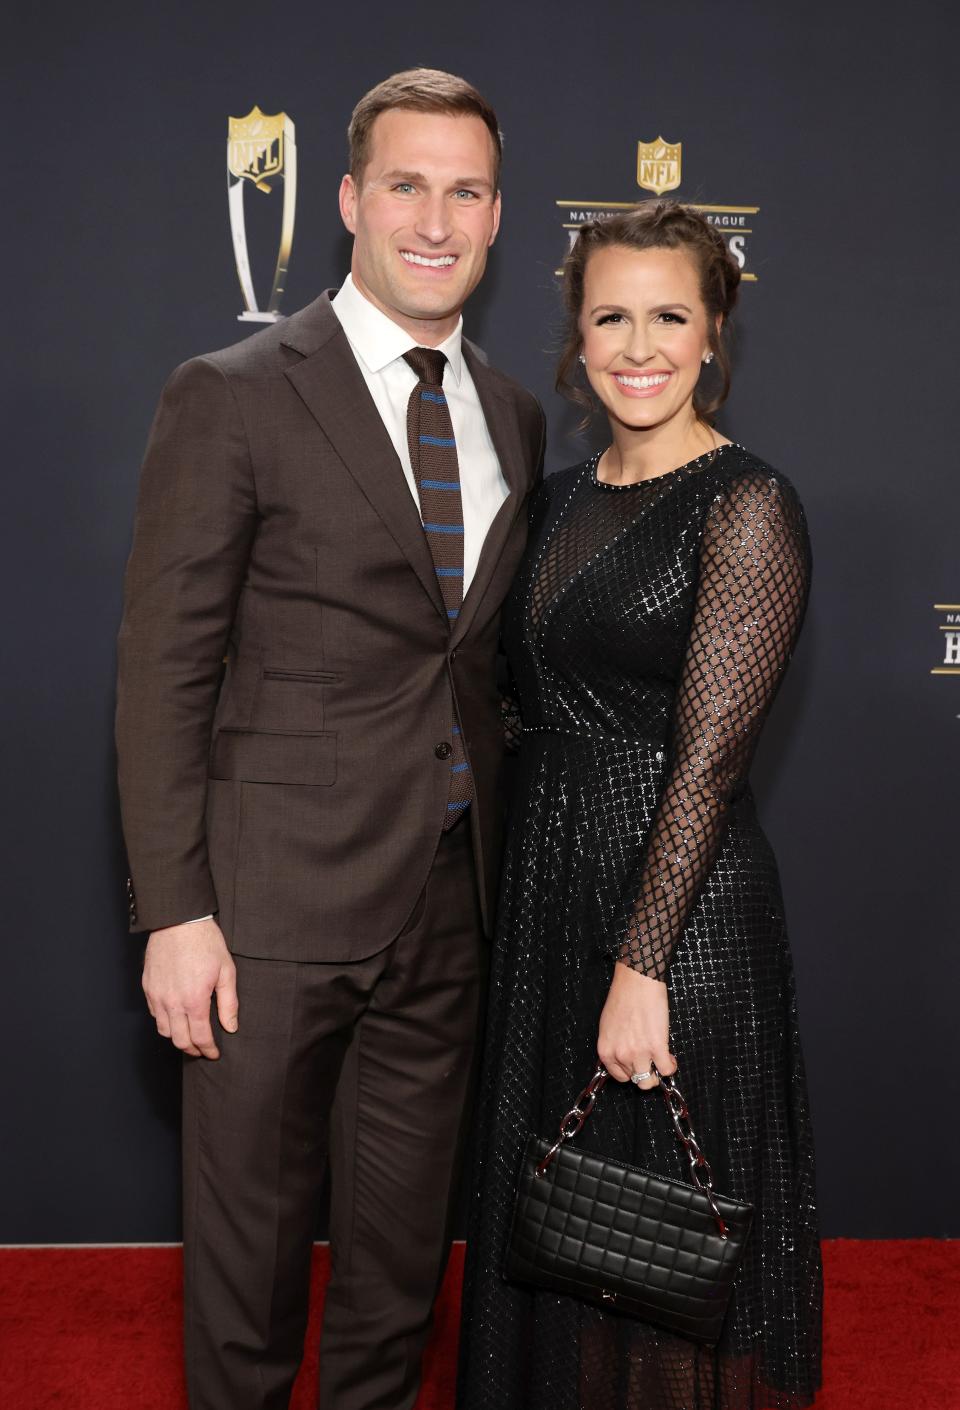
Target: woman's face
{"x": 644, "y": 331}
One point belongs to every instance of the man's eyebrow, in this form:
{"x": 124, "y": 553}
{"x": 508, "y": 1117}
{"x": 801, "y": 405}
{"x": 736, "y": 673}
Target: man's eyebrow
{"x": 401, "y": 176}
{"x": 473, "y": 181}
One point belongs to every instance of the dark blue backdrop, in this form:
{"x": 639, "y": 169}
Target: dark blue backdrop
{"x": 840, "y": 124}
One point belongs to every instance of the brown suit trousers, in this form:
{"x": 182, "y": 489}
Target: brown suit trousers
{"x": 367, "y": 1064}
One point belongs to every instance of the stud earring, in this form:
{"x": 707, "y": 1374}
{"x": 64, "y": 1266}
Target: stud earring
{"x": 708, "y": 359}
{"x": 583, "y": 359}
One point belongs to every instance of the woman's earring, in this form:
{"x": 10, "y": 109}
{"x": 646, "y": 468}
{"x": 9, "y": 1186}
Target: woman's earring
{"x": 708, "y": 358}
{"x": 583, "y": 359}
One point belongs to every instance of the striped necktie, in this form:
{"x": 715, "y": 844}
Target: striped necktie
{"x": 433, "y": 456}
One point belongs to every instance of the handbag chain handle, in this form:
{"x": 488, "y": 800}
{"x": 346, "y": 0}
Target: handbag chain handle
{"x": 700, "y": 1173}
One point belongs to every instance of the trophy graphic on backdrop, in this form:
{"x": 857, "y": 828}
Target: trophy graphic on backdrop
{"x": 261, "y": 150}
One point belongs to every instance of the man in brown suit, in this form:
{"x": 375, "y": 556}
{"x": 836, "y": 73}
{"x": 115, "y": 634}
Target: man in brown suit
{"x": 310, "y": 746}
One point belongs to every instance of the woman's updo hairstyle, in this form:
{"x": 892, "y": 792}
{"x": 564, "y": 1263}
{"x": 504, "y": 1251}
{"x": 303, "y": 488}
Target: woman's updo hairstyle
{"x": 656, "y": 225}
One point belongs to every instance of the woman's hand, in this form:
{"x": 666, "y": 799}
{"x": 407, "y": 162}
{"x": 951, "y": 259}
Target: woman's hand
{"x": 634, "y": 1027}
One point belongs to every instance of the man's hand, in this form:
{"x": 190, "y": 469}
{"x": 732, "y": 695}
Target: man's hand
{"x": 182, "y": 967}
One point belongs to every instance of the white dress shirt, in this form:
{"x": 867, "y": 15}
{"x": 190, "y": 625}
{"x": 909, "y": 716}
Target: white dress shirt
{"x": 378, "y": 344}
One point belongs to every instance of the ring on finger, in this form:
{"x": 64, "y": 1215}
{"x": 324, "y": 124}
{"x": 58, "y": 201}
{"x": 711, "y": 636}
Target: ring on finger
{"x": 639, "y": 1077}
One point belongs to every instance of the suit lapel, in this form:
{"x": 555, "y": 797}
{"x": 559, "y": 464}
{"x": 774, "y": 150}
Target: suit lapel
{"x": 501, "y": 417}
{"x": 333, "y": 389}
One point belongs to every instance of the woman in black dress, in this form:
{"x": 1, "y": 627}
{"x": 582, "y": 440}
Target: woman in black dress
{"x": 649, "y": 627}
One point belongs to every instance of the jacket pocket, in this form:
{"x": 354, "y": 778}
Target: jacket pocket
{"x": 263, "y": 756}
{"x": 323, "y": 677}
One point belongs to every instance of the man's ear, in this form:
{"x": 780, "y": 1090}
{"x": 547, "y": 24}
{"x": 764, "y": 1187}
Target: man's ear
{"x": 348, "y": 203}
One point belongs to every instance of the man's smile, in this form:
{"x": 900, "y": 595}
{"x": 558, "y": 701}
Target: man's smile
{"x": 429, "y": 261}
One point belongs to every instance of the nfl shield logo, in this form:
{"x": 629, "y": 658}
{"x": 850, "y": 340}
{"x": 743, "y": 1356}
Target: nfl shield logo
{"x": 255, "y": 146}
{"x": 658, "y": 165}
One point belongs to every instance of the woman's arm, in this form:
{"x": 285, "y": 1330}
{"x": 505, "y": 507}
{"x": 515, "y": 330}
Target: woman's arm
{"x": 749, "y": 606}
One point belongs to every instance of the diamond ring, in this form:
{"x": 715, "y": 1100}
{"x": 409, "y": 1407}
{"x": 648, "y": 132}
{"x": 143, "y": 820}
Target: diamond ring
{"x": 640, "y": 1076}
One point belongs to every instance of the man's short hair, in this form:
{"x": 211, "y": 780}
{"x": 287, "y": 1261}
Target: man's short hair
{"x": 419, "y": 91}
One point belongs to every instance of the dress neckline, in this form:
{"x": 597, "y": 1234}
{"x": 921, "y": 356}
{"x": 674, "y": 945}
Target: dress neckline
{"x": 690, "y": 468}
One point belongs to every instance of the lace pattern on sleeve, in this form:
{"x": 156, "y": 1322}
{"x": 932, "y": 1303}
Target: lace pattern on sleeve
{"x": 750, "y": 600}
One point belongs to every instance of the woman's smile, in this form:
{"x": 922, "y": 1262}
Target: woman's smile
{"x": 641, "y": 384}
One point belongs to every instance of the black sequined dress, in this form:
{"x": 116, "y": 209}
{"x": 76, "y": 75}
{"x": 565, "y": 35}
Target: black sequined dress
{"x": 647, "y": 632}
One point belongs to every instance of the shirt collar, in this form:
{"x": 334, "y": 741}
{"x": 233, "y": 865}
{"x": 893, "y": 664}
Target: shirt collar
{"x": 377, "y": 340}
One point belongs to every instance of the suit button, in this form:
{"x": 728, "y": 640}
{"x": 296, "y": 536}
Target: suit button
{"x": 443, "y": 750}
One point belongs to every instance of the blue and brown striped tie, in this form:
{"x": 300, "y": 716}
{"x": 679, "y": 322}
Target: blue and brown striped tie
{"x": 433, "y": 455}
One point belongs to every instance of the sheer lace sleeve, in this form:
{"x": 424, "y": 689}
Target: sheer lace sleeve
{"x": 511, "y": 720}
{"x": 750, "y": 601}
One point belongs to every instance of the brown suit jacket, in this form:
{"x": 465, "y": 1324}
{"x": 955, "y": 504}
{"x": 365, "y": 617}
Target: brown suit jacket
{"x": 297, "y": 789}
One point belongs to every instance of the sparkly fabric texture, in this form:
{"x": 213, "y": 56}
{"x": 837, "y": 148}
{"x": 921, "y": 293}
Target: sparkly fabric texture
{"x": 647, "y": 632}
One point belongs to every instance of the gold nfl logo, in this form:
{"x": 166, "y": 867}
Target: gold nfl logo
{"x": 658, "y": 165}
{"x": 255, "y": 146}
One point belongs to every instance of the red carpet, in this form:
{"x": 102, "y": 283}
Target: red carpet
{"x": 99, "y": 1329}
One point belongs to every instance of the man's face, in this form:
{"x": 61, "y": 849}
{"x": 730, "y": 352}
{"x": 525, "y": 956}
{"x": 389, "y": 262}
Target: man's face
{"x": 423, "y": 217}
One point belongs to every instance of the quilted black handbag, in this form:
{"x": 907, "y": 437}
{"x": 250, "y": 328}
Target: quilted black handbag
{"x": 659, "y": 1249}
